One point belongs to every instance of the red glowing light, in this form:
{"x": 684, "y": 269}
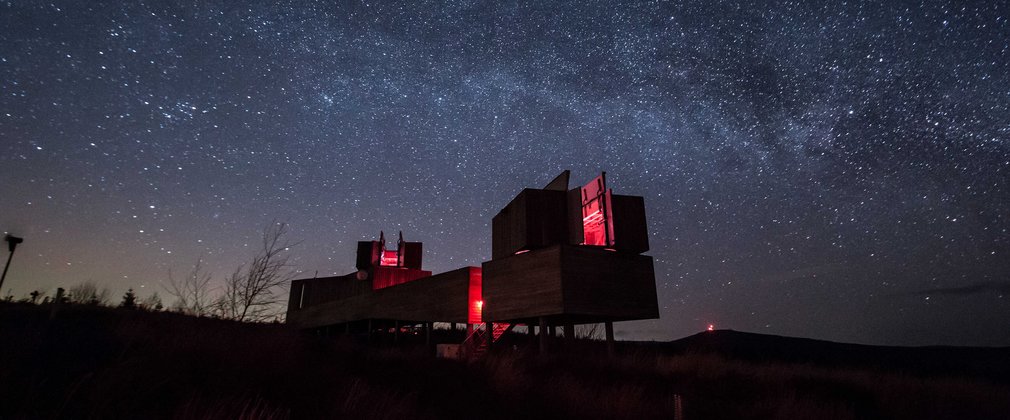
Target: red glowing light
{"x": 390, "y": 258}
{"x": 597, "y": 226}
{"x": 711, "y": 327}
{"x": 476, "y": 305}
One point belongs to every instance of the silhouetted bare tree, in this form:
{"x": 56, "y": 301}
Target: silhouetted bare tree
{"x": 151, "y": 303}
{"x": 191, "y": 293}
{"x": 252, "y": 293}
{"x": 88, "y": 293}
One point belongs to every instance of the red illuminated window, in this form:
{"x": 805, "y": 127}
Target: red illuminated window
{"x": 390, "y": 267}
{"x": 390, "y": 258}
{"x": 386, "y": 257}
{"x": 597, "y": 225}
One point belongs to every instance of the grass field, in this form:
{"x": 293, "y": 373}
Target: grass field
{"x": 91, "y": 362}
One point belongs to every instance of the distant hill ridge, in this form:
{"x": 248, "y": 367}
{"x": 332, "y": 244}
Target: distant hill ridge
{"x": 988, "y": 362}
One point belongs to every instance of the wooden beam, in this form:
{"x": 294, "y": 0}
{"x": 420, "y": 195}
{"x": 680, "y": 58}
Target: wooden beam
{"x": 489, "y": 333}
{"x": 543, "y": 337}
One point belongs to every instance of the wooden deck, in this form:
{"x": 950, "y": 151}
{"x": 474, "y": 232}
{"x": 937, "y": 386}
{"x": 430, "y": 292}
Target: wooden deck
{"x": 439, "y": 298}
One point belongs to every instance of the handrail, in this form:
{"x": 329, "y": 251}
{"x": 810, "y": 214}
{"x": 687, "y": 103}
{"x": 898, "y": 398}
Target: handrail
{"x": 473, "y": 341}
{"x": 476, "y": 342}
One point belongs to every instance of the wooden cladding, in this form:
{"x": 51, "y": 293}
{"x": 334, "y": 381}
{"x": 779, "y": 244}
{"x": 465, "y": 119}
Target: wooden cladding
{"x": 631, "y": 233}
{"x": 534, "y": 219}
{"x": 368, "y": 254}
{"x": 309, "y": 292}
{"x": 412, "y": 253}
{"x": 527, "y": 285}
{"x": 443, "y": 297}
{"x": 537, "y": 219}
{"x": 578, "y": 282}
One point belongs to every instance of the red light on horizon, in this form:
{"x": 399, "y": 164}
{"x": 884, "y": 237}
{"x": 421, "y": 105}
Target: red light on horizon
{"x": 711, "y": 327}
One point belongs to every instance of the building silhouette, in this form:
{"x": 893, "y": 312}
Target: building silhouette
{"x": 560, "y": 257}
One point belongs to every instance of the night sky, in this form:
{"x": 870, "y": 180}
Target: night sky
{"x": 819, "y": 169}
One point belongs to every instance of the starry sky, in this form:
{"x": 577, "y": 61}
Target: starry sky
{"x": 819, "y": 169}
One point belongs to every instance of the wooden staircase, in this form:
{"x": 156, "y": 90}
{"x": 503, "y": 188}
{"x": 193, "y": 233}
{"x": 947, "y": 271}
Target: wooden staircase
{"x": 476, "y": 345}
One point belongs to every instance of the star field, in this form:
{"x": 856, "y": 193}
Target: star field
{"x": 820, "y": 169}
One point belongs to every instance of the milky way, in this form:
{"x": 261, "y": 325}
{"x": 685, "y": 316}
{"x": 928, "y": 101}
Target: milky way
{"x": 835, "y": 170}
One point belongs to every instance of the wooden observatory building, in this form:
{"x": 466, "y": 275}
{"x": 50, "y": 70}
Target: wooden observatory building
{"x": 564, "y": 257}
{"x": 559, "y": 257}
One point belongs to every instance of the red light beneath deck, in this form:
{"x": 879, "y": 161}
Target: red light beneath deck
{"x": 475, "y": 308}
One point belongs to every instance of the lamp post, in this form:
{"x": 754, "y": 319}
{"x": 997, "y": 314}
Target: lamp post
{"x": 12, "y": 242}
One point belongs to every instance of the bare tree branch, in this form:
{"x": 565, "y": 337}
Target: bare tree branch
{"x": 151, "y": 303}
{"x": 191, "y": 293}
{"x": 253, "y": 294}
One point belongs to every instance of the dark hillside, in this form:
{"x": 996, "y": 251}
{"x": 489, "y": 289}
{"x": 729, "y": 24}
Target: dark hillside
{"x": 992, "y": 363}
{"x": 108, "y": 363}
{"x": 94, "y": 362}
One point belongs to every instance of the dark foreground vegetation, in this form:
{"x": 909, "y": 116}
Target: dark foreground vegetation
{"x": 92, "y": 362}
